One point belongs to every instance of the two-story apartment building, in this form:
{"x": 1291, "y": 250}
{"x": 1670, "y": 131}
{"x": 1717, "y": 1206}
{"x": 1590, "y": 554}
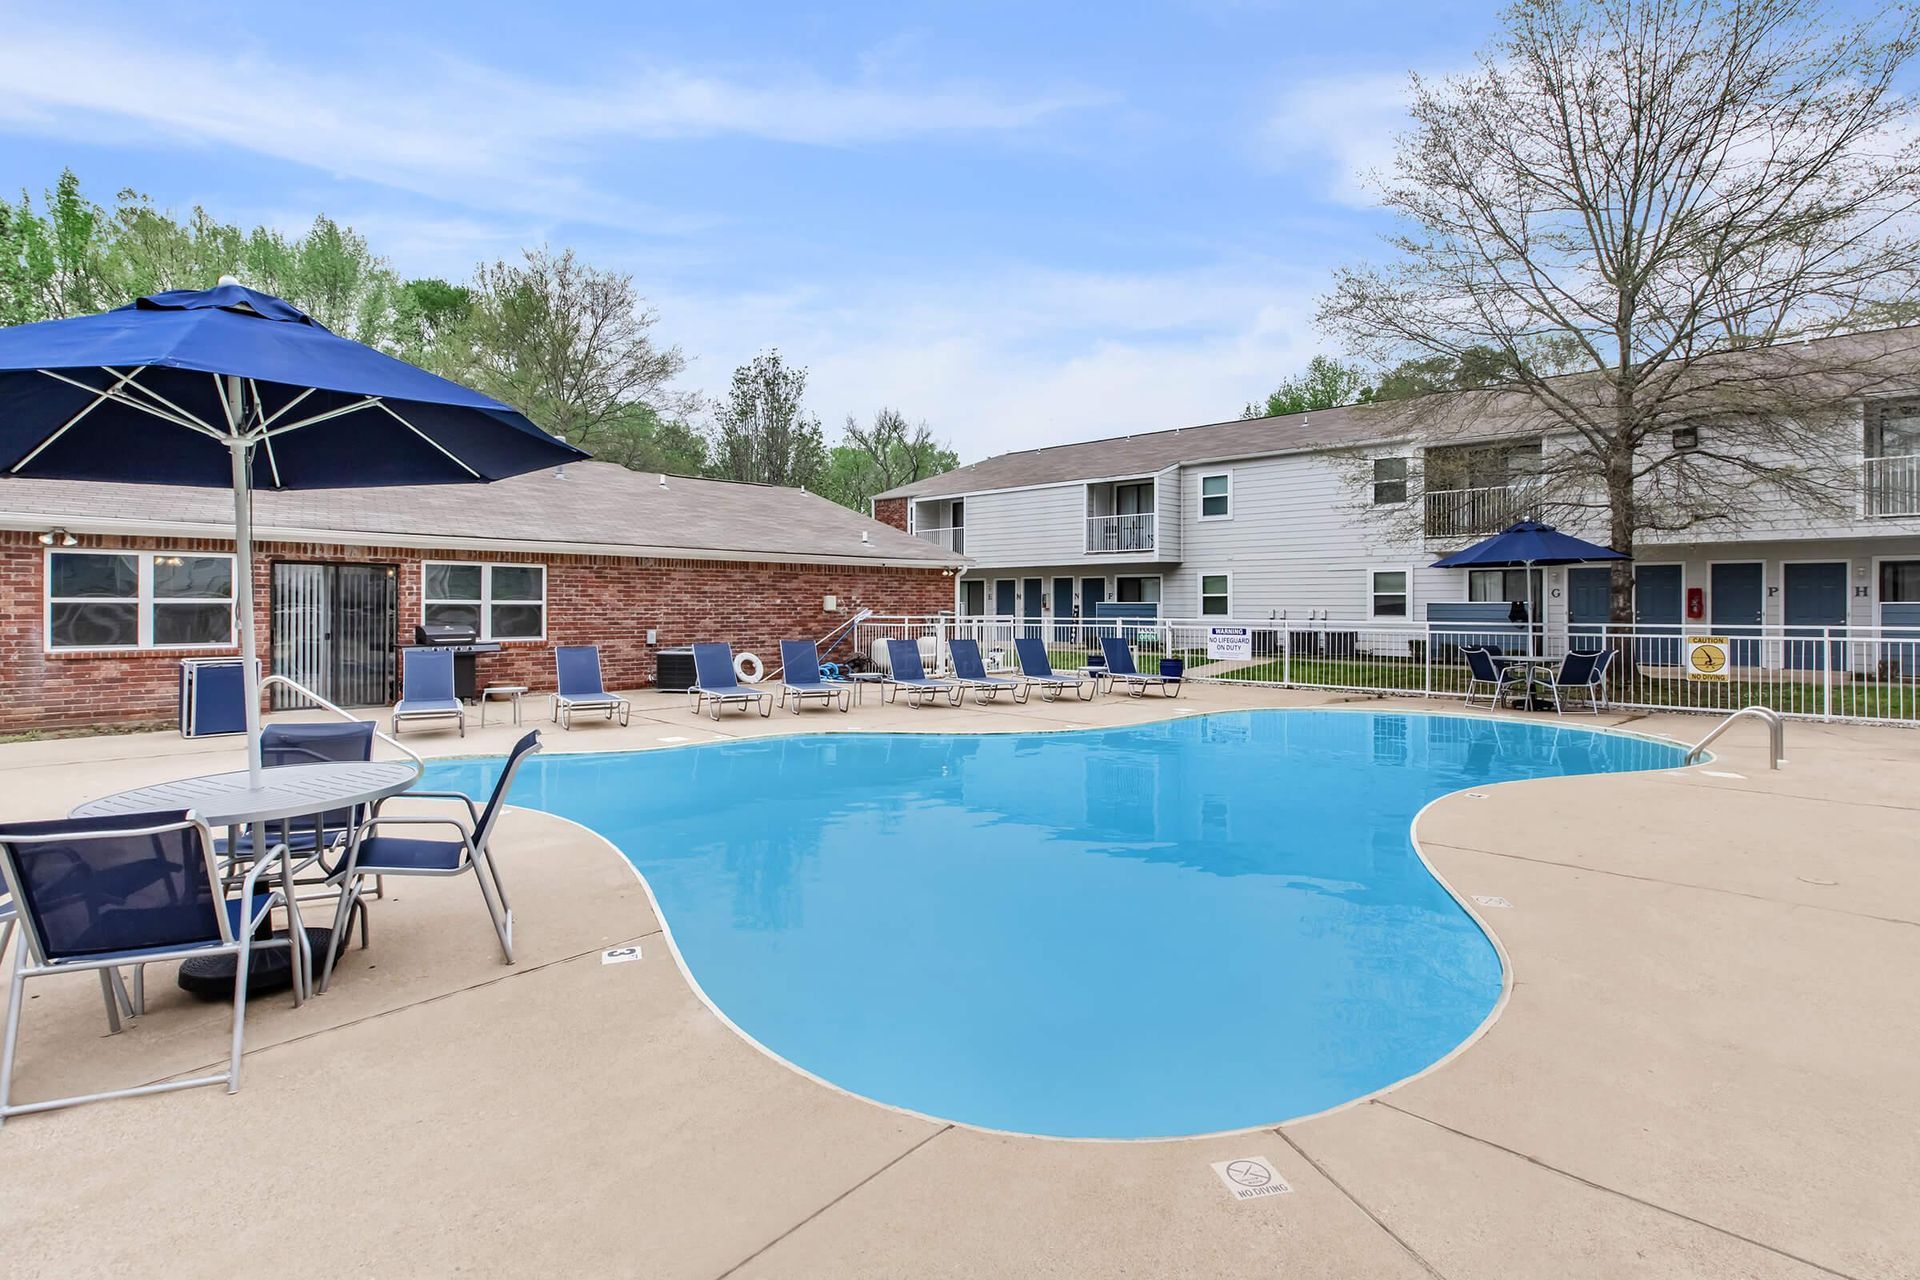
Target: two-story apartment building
{"x": 1338, "y": 514}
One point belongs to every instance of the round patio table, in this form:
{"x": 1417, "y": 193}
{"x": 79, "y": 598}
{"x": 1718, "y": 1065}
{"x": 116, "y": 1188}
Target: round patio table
{"x": 229, "y": 800}
{"x": 1532, "y": 666}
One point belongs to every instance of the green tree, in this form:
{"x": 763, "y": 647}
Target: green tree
{"x": 1476, "y": 366}
{"x": 872, "y": 459}
{"x": 1326, "y": 384}
{"x": 569, "y": 345}
{"x": 762, "y": 432}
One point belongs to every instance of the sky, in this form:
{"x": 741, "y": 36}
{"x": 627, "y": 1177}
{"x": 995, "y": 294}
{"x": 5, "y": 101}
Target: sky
{"x": 1023, "y": 223}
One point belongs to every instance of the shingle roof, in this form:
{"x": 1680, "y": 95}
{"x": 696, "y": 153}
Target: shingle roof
{"x": 1878, "y": 362}
{"x": 584, "y": 504}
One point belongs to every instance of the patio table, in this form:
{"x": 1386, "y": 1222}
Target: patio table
{"x": 227, "y": 800}
{"x": 1532, "y": 666}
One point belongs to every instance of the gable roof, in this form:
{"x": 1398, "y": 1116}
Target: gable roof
{"x": 1884, "y": 361}
{"x": 583, "y": 507}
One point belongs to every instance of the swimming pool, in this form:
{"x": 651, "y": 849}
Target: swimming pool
{"x": 1206, "y": 924}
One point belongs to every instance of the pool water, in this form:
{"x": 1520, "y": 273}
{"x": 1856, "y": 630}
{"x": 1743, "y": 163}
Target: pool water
{"x": 1212, "y": 923}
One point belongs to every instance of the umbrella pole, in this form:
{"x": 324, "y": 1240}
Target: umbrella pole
{"x": 243, "y": 602}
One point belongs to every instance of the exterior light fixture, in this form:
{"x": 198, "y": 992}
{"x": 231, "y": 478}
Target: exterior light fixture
{"x": 60, "y": 536}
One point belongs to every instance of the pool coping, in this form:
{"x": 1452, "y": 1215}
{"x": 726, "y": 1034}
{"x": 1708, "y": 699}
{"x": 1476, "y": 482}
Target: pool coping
{"x": 1466, "y": 906}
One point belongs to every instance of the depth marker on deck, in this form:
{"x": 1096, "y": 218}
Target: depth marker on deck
{"x": 620, "y": 955}
{"x": 670, "y": 739}
{"x": 1490, "y": 900}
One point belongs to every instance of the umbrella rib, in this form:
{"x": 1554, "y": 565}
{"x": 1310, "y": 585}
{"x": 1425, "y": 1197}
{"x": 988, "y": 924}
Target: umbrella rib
{"x": 355, "y": 407}
{"x": 430, "y": 440}
{"x": 273, "y": 463}
{"x": 281, "y": 412}
{"x": 178, "y": 417}
{"x": 100, "y": 397}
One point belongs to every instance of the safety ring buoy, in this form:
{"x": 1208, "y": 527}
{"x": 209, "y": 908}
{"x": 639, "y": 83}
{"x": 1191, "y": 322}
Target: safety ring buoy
{"x": 749, "y": 668}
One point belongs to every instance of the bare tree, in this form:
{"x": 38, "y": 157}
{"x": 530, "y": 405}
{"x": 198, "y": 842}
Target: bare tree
{"x": 900, "y": 453}
{"x": 762, "y": 432}
{"x": 569, "y": 345}
{"x": 1615, "y": 212}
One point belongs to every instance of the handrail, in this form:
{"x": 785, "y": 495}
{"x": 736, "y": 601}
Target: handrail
{"x": 419, "y": 765}
{"x": 1776, "y": 735}
{"x": 829, "y": 642}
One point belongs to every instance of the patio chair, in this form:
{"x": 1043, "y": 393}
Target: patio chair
{"x": 96, "y": 893}
{"x": 971, "y": 673}
{"x": 801, "y": 677}
{"x": 1120, "y": 670}
{"x": 905, "y": 672}
{"x": 282, "y": 745}
{"x": 426, "y": 689}
{"x": 716, "y": 686}
{"x": 1486, "y": 675}
{"x": 1036, "y": 668}
{"x": 371, "y": 853}
{"x": 577, "y": 686}
{"x": 1581, "y": 675}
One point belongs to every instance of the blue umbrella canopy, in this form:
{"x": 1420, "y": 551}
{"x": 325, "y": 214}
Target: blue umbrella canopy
{"x": 161, "y": 390}
{"x": 1528, "y": 543}
{"x": 230, "y": 387}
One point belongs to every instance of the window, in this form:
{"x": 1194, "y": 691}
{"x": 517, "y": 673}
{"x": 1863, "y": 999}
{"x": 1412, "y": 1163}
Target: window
{"x": 1216, "y": 497}
{"x": 1893, "y": 429}
{"x": 1216, "y": 595}
{"x": 1389, "y": 481}
{"x": 499, "y": 601}
{"x": 1133, "y": 499}
{"x": 1387, "y": 593}
{"x": 973, "y": 597}
{"x": 1900, "y": 582}
{"x": 1137, "y": 590}
{"x": 1504, "y": 584}
{"x": 138, "y": 600}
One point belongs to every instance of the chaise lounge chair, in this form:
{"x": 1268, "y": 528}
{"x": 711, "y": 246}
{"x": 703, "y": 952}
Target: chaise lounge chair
{"x": 426, "y": 689}
{"x": 1037, "y": 670}
{"x": 903, "y": 657}
{"x": 579, "y": 688}
{"x": 1120, "y": 670}
{"x": 971, "y": 673}
{"x": 800, "y": 677}
{"x": 717, "y": 686}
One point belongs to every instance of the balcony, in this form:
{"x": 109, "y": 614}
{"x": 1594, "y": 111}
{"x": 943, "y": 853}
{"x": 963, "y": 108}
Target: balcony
{"x": 1119, "y": 535}
{"x": 950, "y": 539}
{"x": 1474, "y": 513}
{"x": 1892, "y": 485}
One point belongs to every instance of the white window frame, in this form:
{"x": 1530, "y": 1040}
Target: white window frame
{"x": 1204, "y": 594}
{"x": 1200, "y": 511}
{"x": 486, "y": 601}
{"x": 143, "y": 601}
{"x": 1372, "y": 570}
{"x": 1159, "y": 591}
{"x": 1405, "y": 481}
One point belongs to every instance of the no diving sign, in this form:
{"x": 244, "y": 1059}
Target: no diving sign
{"x": 1251, "y": 1177}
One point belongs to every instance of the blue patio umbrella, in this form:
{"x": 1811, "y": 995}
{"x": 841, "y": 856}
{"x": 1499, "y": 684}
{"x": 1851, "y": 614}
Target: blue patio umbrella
{"x": 1529, "y": 545}
{"x": 230, "y": 387}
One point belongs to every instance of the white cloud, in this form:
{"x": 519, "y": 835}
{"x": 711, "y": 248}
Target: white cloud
{"x": 477, "y": 135}
{"x": 1343, "y": 128}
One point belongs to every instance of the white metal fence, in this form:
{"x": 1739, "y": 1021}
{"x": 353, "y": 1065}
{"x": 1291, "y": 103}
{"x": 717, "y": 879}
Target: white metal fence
{"x": 1827, "y": 673}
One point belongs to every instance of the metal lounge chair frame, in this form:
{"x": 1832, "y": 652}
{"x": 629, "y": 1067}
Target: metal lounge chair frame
{"x": 578, "y": 686}
{"x": 1036, "y": 669}
{"x": 1121, "y": 670}
{"x": 970, "y": 671}
{"x": 905, "y": 672}
{"x": 230, "y": 932}
{"x": 426, "y": 689}
{"x": 803, "y": 656}
{"x": 716, "y": 686}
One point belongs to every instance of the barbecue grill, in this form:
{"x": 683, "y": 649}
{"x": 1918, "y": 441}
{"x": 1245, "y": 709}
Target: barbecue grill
{"x": 466, "y": 643}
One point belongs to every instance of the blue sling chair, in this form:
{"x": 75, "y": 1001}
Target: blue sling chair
{"x": 1036, "y": 668}
{"x": 1120, "y": 670}
{"x": 800, "y": 677}
{"x": 716, "y": 686}
{"x": 971, "y": 673}
{"x": 578, "y": 687}
{"x": 903, "y": 657}
{"x": 426, "y": 689}
{"x": 94, "y": 894}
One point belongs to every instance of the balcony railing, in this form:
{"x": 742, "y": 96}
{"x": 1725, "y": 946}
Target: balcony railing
{"x": 1471, "y": 513}
{"x": 1119, "y": 533}
{"x": 1893, "y": 485}
{"x": 953, "y": 539}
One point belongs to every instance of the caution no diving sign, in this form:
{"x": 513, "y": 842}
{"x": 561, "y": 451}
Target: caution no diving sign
{"x": 1707, "y": 659}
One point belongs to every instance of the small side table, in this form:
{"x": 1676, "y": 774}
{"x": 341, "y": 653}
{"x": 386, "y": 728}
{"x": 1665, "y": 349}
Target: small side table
{"x": 511, "y": 692}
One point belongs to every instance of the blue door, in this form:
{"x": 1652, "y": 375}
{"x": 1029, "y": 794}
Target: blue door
{"x": 1657, "y": 612}
{"x": 1062, "y": 610}
{"x": 1003, "y": 605}
{"x": 1738, "y": 594}
{"x": 1816, "y": 598}
{"x": 1030, "y": 592}
{"x": 1589, "y": 601}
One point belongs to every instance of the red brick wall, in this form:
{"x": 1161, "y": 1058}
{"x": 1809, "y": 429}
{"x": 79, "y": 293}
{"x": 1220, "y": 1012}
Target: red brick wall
{"x": 891, "y": 511}
{"x": 604, "y": 600}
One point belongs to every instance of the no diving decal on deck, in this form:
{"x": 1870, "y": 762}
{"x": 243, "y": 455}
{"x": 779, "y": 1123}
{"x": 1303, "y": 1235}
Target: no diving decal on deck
{"x": 1251, "y": 1177}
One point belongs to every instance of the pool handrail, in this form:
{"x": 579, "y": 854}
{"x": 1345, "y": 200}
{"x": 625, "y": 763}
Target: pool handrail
{"x": 285, "y": 682}
{"x": 1776, "y": 735}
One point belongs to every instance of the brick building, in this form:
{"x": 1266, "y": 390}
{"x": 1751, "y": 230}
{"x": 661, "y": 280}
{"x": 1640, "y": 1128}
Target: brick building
{"x": 105, "y": 587}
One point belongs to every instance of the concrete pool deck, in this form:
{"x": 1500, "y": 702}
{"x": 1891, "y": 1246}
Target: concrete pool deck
{"x": 1707, "y": 1065}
